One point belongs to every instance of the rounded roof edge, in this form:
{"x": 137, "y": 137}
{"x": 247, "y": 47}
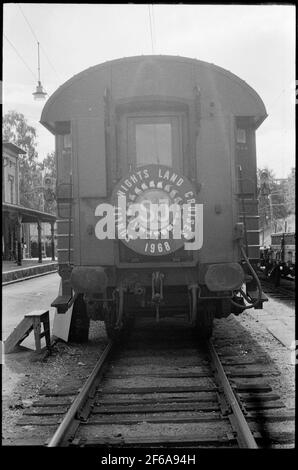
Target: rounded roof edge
{"x": 93, "y": 68}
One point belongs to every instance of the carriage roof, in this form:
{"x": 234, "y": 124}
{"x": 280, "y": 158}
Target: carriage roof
{"x": 246, "y": 101}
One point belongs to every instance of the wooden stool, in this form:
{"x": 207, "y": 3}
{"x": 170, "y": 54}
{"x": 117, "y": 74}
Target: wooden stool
{"x": 37, "y": 317}
{"x": 31, "y": 321}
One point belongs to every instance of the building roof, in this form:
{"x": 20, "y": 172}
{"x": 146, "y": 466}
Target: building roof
{"x": 28, "y": 215}
{"x": 13, "y": 148}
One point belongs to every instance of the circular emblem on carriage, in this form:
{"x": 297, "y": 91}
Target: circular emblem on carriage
{"x": 154, "y": 210}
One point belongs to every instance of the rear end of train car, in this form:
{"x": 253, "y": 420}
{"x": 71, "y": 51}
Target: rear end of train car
{"x": 156, "y": 132}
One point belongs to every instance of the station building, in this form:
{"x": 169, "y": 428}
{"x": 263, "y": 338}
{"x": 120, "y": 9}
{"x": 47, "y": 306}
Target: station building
{"x": 22, "y": 226}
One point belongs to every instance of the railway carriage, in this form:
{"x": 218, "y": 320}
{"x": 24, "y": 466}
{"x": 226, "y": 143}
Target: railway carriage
{"x": 156, "y": 192}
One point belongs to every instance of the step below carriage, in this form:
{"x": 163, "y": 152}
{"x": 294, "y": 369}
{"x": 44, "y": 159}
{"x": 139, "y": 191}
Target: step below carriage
{"x": 175, "y": 138}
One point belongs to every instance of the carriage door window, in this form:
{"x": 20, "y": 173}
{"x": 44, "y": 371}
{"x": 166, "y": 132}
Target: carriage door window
{"x": 154, "y": 144}
{"x": 64, "y": 157}
{"x": 154, "y": 140}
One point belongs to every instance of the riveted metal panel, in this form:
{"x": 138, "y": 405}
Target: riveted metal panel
{"x": 94, "y": 252}
{"x": 91, "y": 157}
{"x": 216, "y": 194}
{"x": 152, "y": 76}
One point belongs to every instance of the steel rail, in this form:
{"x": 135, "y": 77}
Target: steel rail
{"x": 60, "y": 435}
{"x": 244, "y": 435}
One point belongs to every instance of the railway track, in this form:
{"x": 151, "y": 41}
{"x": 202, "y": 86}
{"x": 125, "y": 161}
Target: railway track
{"x": 282, "y": 292}
{"x": 160, "y": 388}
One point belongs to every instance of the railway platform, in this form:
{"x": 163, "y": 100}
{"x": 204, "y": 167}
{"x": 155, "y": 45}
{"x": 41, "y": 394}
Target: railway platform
{"x": 11, "y": 272}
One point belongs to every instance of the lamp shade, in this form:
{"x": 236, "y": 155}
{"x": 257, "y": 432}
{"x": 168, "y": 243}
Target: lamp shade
{"x": 39, "y": 94}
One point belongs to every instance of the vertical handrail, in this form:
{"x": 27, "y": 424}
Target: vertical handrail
{"x": 243, "y": 209}
{"x": 69, "y": 220}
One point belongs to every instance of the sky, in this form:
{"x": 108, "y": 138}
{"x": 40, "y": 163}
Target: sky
{"x": 257, "y": 43}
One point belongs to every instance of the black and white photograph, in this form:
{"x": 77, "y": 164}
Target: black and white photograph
{"x": 148, "y": 230}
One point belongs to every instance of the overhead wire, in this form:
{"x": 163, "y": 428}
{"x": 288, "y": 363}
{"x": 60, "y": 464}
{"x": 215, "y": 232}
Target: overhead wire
{"x": 19, "y": 55}
{"x": 153, "y": 22}
{"x": 280, "y": 94}
{"x": 30, "y": 27}
{"x": 151, "y": 32}
{"x": 35, "y": 37}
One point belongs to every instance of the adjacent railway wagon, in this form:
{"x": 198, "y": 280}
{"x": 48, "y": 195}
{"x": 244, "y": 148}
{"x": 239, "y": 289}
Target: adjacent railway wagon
{"x": 279, "y": 260}
{"x": 156, "y": 192}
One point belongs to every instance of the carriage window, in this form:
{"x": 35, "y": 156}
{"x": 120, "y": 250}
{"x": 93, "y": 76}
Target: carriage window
{"x": 64, "y": 157}
{"x": 241, "y": 136}
{"x": 67, "y": 141}
{"x": 151, "y": 139}
{"x": 154, "y": 144}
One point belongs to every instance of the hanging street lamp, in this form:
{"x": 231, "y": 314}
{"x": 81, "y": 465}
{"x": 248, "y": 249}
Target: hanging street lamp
{"x": 39, "y": 94}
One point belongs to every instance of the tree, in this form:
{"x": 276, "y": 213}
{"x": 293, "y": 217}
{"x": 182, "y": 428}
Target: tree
{"x": 48, "y": 167}
{"x": 17, "y": 130}
{"x": 272, "y": 197}
{"x": 290, "y": 193}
